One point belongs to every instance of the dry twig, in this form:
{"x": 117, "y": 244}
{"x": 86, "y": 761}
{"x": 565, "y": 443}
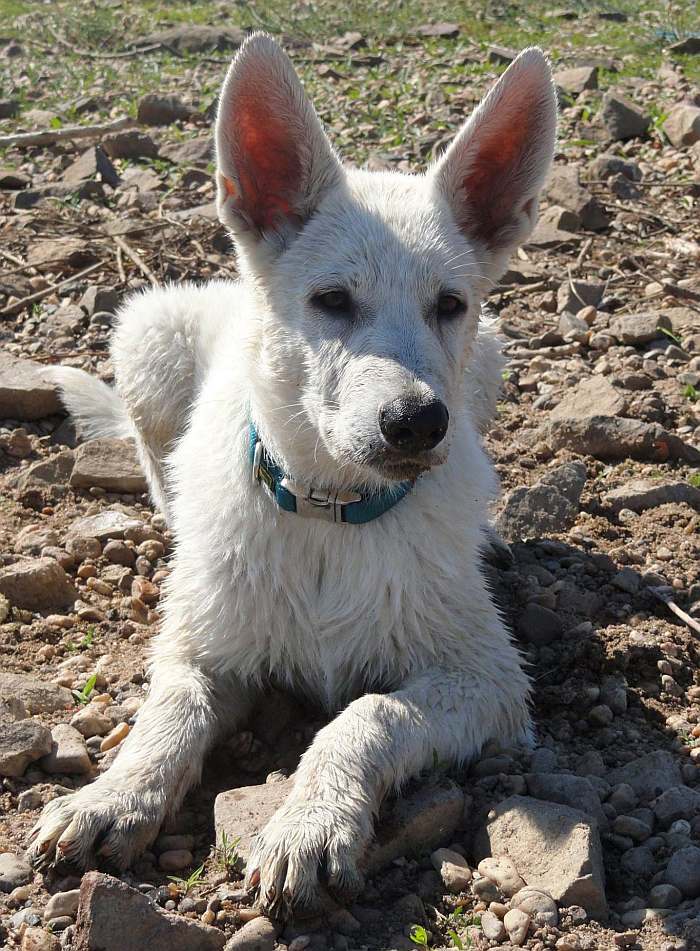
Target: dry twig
{"x": 39, "y": 295}
{"x": 50, "y": 136}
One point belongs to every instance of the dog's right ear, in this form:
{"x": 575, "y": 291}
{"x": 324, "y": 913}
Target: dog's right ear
{"x": 274, "y": 161}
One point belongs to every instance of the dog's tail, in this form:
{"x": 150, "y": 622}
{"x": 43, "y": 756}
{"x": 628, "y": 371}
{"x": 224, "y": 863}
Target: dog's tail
{"x": 95, "y": 407}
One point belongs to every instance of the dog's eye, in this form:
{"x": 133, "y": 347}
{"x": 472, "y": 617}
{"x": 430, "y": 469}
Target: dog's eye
{"x": 449, "y": 306}
{"x": 336, "y": 301}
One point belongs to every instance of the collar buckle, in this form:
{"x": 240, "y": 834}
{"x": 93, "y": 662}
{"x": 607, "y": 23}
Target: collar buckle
{"x": 319, "y": 503}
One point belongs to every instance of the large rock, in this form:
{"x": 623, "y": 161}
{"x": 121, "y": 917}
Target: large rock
{"x": 56, "y": 253}
{"x": 642, "y": 494}
{"x": 551, "y": 505}
{"x": 609, "y": 439}
{"x": 637, "y": 329}
{"x": 555, "y": 849}
{"x": 191, "y": 38}
{"x": 110, "y": 464}
{"x": 110, "y": 523}
{"x": 649, "y": 775}
{"x": 36, "y": 695}
{"x": 594, "y": 396}
{"x": 68, "y": 753}
{"x": 622, "y": 118}
{"x": 114, "y": 917}
{"x": 37, "y": 583}
{"x": 25, "y": 393}
{"x": 683, "y": 125}
{"x": 21, "y": 743}
{"x": 419, "y": 821}
{"x": 574, "y": 791}
{"x": 564, "y": 188}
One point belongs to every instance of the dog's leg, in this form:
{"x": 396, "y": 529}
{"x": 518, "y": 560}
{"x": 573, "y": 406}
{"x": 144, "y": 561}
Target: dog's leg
{"x": 376, "y": 743}
{"x": 119, "y": 815}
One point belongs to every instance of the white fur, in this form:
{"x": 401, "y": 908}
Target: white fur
{"x": 391, "y": 622}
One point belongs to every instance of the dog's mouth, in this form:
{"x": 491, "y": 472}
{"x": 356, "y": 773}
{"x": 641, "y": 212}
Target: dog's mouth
{"x": 398, "y": 468}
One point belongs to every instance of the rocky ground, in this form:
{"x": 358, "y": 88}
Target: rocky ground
{"x": 591, "y": 841}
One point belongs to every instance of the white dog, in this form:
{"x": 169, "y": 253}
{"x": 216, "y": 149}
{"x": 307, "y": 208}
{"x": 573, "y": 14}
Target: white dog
{"x": 311, "y": 432}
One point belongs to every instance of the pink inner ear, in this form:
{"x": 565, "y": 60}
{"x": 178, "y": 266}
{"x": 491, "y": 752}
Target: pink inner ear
{"x": 491, "y": 184}
{"x": 269, "y": 167}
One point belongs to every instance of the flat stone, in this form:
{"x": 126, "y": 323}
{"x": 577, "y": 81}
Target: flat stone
{"x": 33, "y": 538}
{"x": 576, "y": 79}
{"x": 594, "y": 396}
{"x": 642, "y": 494}
{"x": 110, "y": 523}
{"x": 48, "y": 473}
{"x": 622, "y": 118}
{"x": 555, "y": 227}
{"x": 129, "y": 144}
{"x": 683, "y": 871}
{"x": 110, "y": 464}
{"x": 555, "y": 849}
{"x": 54, "y": 253}
{"x": 609, "y": 439}
{"x": 574, "y": 791}
{"x": 419, "y": 821}
{"x": 549, "y": 506}
{"x": 683, "y": 125}
{"x": 106, "y": 904}
{"x": 197, "y": 151}
{"x": 500, "y": 55}
{"x": 21, "y": 743}
{"x": 25, "y": 393}
{"x": 93, "y": 163}
{"x": 193, "y": 38}
{"x": 649, "y": 775}
{"x": 37, "y": 583}
{"x": 14, "y": 871}
{"x": 36, "y": 695}
{"x": 637, "y": 329}
{"x": 68, "y": 752}
{"x": 154, "y": 109}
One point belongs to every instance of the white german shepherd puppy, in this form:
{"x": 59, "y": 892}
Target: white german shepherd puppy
{"x": 312, "y": 434}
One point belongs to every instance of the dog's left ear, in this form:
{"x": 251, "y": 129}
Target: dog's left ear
{"x": 274, "y": 161}
{"x": 493, "y": 172}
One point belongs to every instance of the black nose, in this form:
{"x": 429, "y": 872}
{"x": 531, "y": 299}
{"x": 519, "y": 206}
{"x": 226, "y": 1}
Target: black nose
{"x": 411, "y": 426}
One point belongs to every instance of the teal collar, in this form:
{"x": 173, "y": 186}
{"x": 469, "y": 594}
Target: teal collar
{"x": 305, "y": 500}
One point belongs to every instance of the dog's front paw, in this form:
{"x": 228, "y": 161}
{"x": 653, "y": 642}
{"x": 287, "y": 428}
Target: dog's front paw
{"x": 304, "y": 843}
{"x": 98, "y": 820}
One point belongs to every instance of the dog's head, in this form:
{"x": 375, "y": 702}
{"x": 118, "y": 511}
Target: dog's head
{"x": 369, "y": 284}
